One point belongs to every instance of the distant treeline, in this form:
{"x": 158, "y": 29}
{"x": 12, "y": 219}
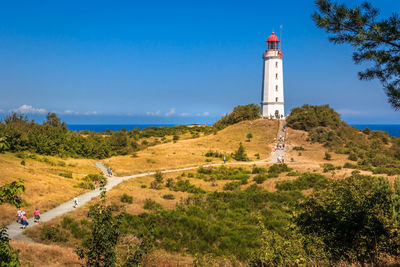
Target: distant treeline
{"x": 17, "y": 133}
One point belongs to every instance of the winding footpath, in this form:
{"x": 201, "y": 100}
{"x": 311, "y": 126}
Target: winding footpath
{"x": 14, "y": 229}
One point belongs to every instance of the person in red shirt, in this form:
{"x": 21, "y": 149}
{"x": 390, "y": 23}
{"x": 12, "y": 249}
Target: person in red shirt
{"x": 36, "y": 215}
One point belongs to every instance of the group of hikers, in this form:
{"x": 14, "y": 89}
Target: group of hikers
{"x": 23, "y": 220}
{"x": 109, "y": 172}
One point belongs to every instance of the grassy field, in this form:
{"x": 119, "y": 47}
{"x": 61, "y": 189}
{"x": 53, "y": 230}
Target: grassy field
{"x": 45, "y": 188}
{"x": 190, "y": 152}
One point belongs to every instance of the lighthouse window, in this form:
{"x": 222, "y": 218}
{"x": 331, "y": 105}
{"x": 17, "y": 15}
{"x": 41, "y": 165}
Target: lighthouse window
{"x": 276, "y": 88}
{"x": 276, "y": 99}
{"x": 276, "y": 64}
{"x": 276, "y": 76}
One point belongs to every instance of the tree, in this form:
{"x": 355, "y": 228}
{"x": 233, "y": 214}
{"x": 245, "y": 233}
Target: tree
{"x": 4, "y": 145}
{"x": 239, "y": 113}
{"x": 53, "y": 120}
{"x": 249, "y": 136}
{"x": 354, "y": 217}
{"x": 98, "y": 248}
{"x": 376, "y": 41}
{"x": 9, "y": 193}
{"x": 240, "y": 154}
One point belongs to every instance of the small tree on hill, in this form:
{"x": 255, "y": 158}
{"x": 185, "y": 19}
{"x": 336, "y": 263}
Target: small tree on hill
{"x": 240, "y": 154}
{"x": 249, "y": 136}
{"x": 99, "y": 247}
{"x": 239, "y": 113}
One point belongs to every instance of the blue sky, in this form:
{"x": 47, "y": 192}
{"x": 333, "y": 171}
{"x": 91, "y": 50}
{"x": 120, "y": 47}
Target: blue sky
{"x": 172, "y": 61}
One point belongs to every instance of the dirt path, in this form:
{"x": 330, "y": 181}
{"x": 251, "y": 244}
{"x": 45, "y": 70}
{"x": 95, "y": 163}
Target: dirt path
{"x": 14, "y": 229}
{"x": 280, "y": 140}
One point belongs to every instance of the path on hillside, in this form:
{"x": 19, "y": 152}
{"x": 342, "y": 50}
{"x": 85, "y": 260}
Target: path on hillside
{"x": 14, "y": 229}
{"x": 279, "y": 152}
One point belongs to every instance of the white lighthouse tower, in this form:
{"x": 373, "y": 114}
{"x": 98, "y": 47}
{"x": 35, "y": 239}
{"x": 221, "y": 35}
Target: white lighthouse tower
{"x": 272, "y": 102}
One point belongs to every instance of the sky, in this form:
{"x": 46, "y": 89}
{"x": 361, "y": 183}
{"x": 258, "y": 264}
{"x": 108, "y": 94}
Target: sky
{"x": 155, "y": 62}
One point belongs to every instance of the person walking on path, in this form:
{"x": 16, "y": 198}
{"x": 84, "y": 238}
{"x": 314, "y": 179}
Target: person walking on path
{"x": 224, "y": 159}
{"x": 36, "y": 216}
{"x": 24, "y": 222}
{"x": 75, "y": 202}
{"x": 19, "y": 215}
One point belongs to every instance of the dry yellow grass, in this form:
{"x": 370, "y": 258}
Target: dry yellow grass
{"x": 190, "y": 152}
{"x": 45, "y": 255}
{"x": 45, "y": 189}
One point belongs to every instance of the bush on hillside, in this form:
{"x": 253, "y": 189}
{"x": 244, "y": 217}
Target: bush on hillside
{"x": 239, "y": 113}
{"x": 240, "y": 154}
{"x": 308, "y": 117}
{"x": 304, "y": 182}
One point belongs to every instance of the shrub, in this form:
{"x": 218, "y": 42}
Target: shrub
{"x": 257, "y": 170}
{"x": 54, "y": 234}
{"x": 294, "y": 173}
{"x": 170, "y": 183}
{"x": 328, "y": 156}
{"x": 330, "y": 167}
{"x": 150, "y": 204}
{"x": 353, "y": 156}
{"x": 259, "y": 179}
{"x": 88, "y": 181}
{"x": 186, "y": 186}
{"x": 143, "y": 186}
{"x": 240, "y": 154}
{"x": 23, "y": 162}
{"x": 168, "y": 196}
{"x": 257, "y": 155}
{"x": 249, "y": 136}
{"x": 348, "y": 165}
{"x": 66, "y": 174}
{"x": 279, "y": 168}
{"x": 232, "y": 186}
{"x": 303, "y": 182}
{"x": 272, "y": 175}
{"x": 74, "y": 227}
{"x": 125, "y": 198}
{"x": 159, "y": 177}
{"x": 239, "y": 113}
{"x": 298, "y": 148}
{"x": 155, "y": 185}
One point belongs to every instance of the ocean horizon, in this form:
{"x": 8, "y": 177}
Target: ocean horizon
{"x": 391, "y": 129}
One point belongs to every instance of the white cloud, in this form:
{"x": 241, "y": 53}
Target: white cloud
{"x": 90, "y": 113}
{"x": 70, "y": 112}
{"x": 184, "y": 114}
{"x": 171, "y": 112}
{"x": 26, "y": 109}
{"x": 157, "y": 113}
{"x": 206, "y": 113}
{"x": 346, "y": 111}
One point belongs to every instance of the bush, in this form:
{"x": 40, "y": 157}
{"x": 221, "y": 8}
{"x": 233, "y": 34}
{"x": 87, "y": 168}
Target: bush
{"x": 159, "y": 177}
{"x": 328, "y": 156}
{"x": 77, "y": 230}
{"x": 150, "y": 204}
{"x": 259, "y": 179}
{"x": 353, "y": 156}
{"x": 23, "y": 162}
{"x": 88, "y": 181}
{"x": 239, "y": 113}
{"x": 304, "y": 182}
{"x": 298, "y": 148}
{"x": 143, "y": 186}
{"x": 155, "y": 185}
{"x": 330, "y": 167}
{"x": 294, "y": 173}
{"x": 168, "y": 196}
{"x": 348, "y": 165}
{"x": 186, "y": 186}
{"x": 170, "y": 183}
{"x": 257, "y": 155}
{"x": 240, "y": 154}
{"x": 272, "y": 175}
{"x": 125, "y": 198}
{"x": 54, "y": 234}
{"x": 66, "y": 174}
{"x": 279, "y": 168}
{"x": 232, "y": 186}
{"x": 257, "y": 170}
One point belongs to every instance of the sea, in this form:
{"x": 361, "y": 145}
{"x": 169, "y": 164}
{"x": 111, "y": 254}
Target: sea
{"x": 392, "y": 129}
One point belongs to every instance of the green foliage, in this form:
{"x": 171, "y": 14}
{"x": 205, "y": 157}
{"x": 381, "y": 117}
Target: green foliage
{"x": 239, "y": 113}
{"x": 303, "y": 182}
{"x": 298, "y": 148}
{"x": 279, "y": 168}
{"x": 4, "y": 145}
{"x": 232, "y": 186}
{"x": 257, "y": 170}
{"x": 54, "y": 234}
{"x": 348, "y": 165}
{"x": 10, "y": 193}
{"x": 308, "y": 117}
{"x": 98, "y": 248}
{"x": 240, "y": 154}
{"x": 375, "y": 40}
{"x": 150, "y": 204}
{"x": 23, "y": 162}
{"x": 224, "y": 173}
{"x": 330, "y": 167}
{"x": 88, "y": 181}
{"x": 78, "y": 230}
{"x": 259, "y": 179}
{"x": 353, "y": 217}
{"x": 186, "y": 186}
{"x": 327, "y": 156}
{"x": 219, "y": 223}
{"x": 249, "y": 136}
{"x": 159, "y": 177}
{"x": 168, "y": 196}
{"x": 125, "y": 198}
{"x": 8, "y": 256}
{"x": 66, "y": 174}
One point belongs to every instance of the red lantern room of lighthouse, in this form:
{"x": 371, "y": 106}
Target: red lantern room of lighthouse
{"x": 274, "y": 46}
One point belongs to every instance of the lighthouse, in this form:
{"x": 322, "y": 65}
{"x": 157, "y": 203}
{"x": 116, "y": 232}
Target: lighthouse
{"x": 272, "y": 102}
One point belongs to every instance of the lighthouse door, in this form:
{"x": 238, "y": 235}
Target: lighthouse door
{"x": 276, "y": 113}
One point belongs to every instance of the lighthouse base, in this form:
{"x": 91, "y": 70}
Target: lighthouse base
{"x": 274, "y": 110}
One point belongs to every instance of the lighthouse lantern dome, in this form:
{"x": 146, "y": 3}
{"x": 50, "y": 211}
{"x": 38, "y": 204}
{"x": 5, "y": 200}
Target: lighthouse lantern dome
{"x": 273, "y": 42}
